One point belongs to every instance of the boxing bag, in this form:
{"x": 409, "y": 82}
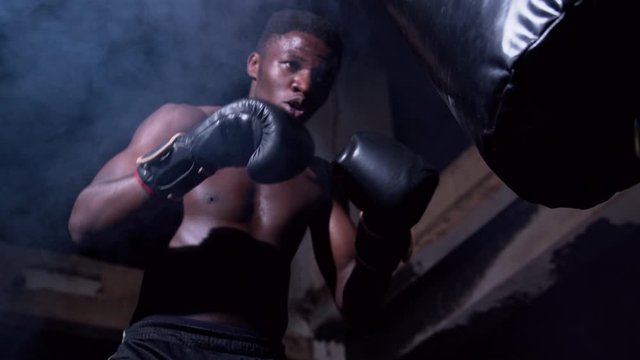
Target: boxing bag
{"x": 547, "y": 89}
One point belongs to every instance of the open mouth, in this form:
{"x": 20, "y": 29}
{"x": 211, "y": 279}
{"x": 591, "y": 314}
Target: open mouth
{"x": 295, "y": 107}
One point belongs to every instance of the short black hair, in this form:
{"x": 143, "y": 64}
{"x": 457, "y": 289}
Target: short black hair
{"x": 284, "y": 21}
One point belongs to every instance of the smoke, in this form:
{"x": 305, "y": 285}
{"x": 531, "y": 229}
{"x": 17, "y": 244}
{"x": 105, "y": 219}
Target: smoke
{"x": 77, "y": 77}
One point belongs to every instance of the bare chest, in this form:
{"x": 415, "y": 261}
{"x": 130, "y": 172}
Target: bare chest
{"x": 274, "y": 213}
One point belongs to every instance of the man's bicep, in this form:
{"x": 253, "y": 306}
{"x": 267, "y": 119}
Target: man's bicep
{"x": 334, "y": 246}
{"x": 342, "y": 234}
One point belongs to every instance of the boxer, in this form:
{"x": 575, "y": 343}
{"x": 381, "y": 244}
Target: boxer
{"x": 250, "y": 188}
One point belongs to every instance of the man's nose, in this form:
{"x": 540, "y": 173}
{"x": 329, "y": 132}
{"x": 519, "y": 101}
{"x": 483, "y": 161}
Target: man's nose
{"x": 302, "y": 81}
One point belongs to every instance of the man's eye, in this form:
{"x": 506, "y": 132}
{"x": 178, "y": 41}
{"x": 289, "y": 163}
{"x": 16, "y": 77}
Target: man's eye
{"x": 322, "y": 77}
{"x": 291, "y": 65}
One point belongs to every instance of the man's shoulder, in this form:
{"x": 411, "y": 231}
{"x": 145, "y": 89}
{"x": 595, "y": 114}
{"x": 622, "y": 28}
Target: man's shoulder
{"x": 209, "y": 109}
{"x": 169, "y": 119}
{"x": 179, "y": 115}
{"x": 172, "y": 109}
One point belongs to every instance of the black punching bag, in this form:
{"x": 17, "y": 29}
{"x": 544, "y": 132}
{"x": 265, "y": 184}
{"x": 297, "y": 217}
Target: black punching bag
{"x": 547, "y": 89}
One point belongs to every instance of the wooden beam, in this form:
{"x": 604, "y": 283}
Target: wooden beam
{"x": 66, "y": 289}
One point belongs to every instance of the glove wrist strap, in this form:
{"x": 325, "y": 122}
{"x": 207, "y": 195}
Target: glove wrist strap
{"x": 170, "y": 171}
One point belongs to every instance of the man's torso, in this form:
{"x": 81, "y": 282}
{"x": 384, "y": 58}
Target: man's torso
{"x": 203, "y": 265}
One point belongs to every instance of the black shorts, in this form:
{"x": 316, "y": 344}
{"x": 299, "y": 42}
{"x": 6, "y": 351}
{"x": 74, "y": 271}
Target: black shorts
{"x": 164, "y": 338}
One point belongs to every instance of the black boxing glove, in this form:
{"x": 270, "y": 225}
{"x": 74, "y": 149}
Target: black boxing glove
{"x": 248, "y": 132}
{"x": 392, "y": 186}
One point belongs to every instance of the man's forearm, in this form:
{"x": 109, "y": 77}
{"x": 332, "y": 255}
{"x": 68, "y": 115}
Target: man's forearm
{"x": 103, "y": 205}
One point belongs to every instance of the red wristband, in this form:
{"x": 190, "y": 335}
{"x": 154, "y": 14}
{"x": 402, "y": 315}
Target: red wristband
{"x": 143, "y": 185}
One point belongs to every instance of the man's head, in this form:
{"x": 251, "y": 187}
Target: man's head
{"x": 295, "y": 63}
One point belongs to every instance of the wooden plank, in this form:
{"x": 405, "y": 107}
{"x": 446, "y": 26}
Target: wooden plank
{"x": 65, "y": 288}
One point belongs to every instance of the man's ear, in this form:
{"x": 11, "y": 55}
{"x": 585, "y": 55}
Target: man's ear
{"x": 253, "y": 64}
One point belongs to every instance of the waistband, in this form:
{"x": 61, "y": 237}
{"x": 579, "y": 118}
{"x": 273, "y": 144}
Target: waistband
{"x": 205, "y": 335}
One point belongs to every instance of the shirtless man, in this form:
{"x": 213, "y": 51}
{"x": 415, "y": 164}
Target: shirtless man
{"x": 220, "y": 289}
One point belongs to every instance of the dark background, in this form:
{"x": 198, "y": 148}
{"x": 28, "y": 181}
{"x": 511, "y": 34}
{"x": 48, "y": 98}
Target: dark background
{"x": 77, "y": 77}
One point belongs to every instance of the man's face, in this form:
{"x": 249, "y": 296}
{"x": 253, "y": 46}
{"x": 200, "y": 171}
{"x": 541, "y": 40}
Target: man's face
{"x": 294, "y": 71}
